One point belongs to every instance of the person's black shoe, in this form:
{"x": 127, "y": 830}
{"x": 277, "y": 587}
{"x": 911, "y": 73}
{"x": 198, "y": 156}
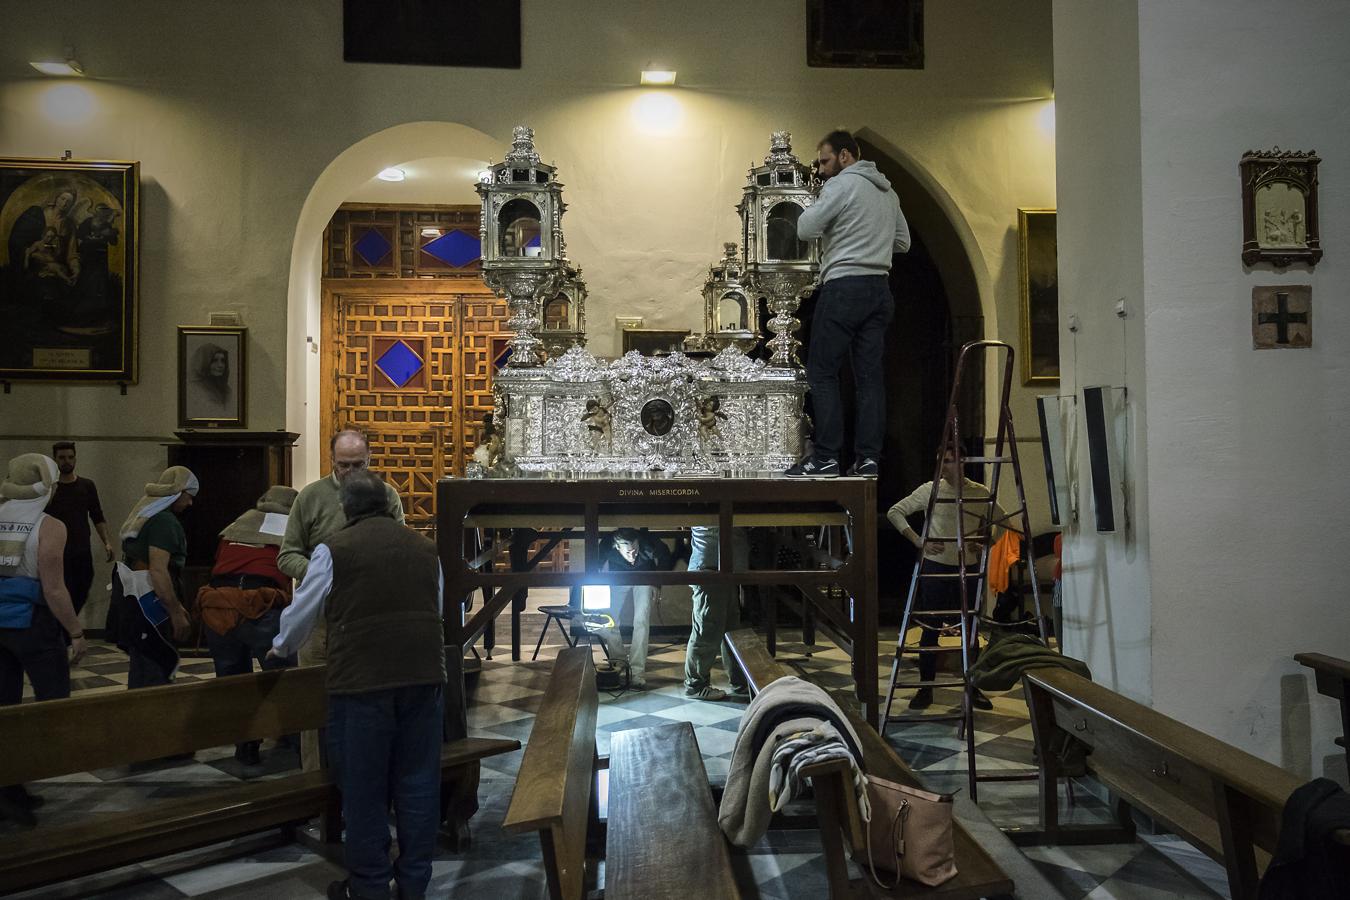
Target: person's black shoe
{"x": 248, "y": 754}
{"x": 814, "y": 468}
{"x": 340, "y": 890}
{"x": 866, "y": 468}
{"x": 980, "y": 701}
{"x": 922, "y": 699}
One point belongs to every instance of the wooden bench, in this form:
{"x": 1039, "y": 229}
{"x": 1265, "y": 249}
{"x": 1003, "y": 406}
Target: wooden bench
{"x": 555, "y": 792}
{"x": 1333, "y": 680}
{"x": 662, "y": 839}
{"x": 978, "y": 875}
{"x": 1222, "y": 800}
{"x": 80, "y": 734}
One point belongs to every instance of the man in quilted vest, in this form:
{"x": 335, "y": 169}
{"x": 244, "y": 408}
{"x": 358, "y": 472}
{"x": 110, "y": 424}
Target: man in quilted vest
{"x": 377, "y": 586}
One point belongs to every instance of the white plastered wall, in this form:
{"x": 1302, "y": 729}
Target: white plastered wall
{"x": 237, "y": 112}
{"x": 1237, "y": 474}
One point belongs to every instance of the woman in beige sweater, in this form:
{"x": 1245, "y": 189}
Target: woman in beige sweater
{"x": 940, "y": 557}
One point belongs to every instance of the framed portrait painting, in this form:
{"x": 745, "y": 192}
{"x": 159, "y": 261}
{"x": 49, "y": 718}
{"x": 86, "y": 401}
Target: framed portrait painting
{"x": 212, "y": 364}
{"x": 1038, "y": 258}
{"x": 69, "y": 245}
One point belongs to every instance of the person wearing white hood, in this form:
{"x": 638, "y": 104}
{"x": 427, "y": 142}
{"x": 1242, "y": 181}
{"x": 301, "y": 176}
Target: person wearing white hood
{"x": 858, "y": 218}
{"x": 150, "y": 614}
{"x": 36, "y": 613}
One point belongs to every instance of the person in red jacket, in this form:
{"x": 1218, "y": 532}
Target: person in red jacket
{"x": 241, "y": 605}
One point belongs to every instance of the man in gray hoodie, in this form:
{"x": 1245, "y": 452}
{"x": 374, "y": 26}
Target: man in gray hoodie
{"x": 859, "y": 219}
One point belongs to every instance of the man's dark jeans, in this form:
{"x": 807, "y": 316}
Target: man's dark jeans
{"x": 234, "y": 652}
{"x": 385, "y": 747}
{"x": 851, "y": 317}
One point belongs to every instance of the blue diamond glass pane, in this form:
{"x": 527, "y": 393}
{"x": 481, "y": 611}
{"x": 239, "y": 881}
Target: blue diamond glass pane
{"x": 372, "y": 247}
{"x": 454, "y": 247}
{"x": 400, "y": 363}
{"x": 534, "y": 242}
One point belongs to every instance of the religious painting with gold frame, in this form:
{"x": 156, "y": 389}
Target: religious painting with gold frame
{"x": 212, "y": 376}
{"x": 1038, "y": 257}
{"x": 69, "y": 245}
{"x": 1279, "y": 207}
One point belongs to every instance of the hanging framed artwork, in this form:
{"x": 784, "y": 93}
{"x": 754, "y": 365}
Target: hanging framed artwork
{"x": 1279, "y": 207}
{"x": 1038, "y": 268}
{"x": 69, "y": 246}
{"x": 212, "y": 370}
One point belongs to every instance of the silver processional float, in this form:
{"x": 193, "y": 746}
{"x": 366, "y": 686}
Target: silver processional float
{"x": 561, "y": 412}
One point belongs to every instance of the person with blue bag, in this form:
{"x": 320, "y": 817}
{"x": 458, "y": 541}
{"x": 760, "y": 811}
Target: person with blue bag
{"x": 36, "y": 613}
{"x": 147, "y": 614}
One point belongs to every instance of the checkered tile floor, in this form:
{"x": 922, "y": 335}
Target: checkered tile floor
{"x": 503, "y": 702}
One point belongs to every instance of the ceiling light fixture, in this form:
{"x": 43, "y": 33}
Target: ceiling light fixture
{"x": 431, "y": 232}
{"x": 60, "y": 69}
{"x": 658, "y": 77}
{"x": 391, "y": 174}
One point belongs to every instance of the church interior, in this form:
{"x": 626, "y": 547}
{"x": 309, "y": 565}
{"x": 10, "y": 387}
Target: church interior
{"x": 436, "y": 449}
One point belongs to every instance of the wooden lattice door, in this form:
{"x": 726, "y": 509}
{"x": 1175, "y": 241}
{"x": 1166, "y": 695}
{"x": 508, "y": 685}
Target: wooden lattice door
{"x": 410, "y": 363}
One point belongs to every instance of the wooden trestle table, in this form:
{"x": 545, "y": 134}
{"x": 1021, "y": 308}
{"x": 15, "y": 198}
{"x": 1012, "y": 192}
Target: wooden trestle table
{"x": 581, "y": 509}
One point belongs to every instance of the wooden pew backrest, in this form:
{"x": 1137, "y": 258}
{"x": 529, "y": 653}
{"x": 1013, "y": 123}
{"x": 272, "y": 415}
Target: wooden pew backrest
{"x": 555, "y": 787}
{"x": 79, "y": 734}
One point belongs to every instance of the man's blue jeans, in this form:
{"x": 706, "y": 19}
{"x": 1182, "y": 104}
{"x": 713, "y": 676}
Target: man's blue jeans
{"x": 850, "y": 319}
{"x": 385, "y": 748}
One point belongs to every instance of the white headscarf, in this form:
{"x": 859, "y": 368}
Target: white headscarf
{"x": 26, "y": 491}
{"x": 159, "y": 496}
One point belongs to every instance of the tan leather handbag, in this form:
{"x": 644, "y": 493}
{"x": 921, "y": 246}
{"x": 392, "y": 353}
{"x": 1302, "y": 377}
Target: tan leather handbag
{"x": 909, "y": 834}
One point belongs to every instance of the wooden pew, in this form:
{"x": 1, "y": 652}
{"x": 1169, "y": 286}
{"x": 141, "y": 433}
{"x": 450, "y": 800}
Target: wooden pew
{"x": 663, "y": 841}
{"x": 1333, "y": 680}
{"x": 80, "y": 734}
{"x": 1222, "y": 800}
{"x": 978, "y": 875}
{"x": 555, "y": 792}
{"x": 662, "y": 836}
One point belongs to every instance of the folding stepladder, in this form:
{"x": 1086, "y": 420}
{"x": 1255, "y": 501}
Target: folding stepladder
{"x": 982, "y": 511}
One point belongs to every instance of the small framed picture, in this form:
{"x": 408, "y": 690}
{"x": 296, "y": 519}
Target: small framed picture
{"x": 654, "y": 341}
{"x": 212, "y": 364}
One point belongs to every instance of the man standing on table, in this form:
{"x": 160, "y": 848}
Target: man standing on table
{"x": 858, "y": 217}
{"x": 377, "y": 586}
{"x": 76, "y": 504}
{"x": 316, "y": 516}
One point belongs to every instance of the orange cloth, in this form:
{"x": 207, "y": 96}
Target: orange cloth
{"x": 1006, "y": 551}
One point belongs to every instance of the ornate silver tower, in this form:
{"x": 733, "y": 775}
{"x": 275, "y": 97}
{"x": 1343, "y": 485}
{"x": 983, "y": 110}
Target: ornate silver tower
{"x": 523, "y": 248}
{"x": 779, "y": 265}
{"x": 565, "y": 314}
{"x": 730, "y": 307}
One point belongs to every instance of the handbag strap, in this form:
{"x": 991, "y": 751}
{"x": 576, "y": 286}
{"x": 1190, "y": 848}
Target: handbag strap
{"x": 898, "y": 821}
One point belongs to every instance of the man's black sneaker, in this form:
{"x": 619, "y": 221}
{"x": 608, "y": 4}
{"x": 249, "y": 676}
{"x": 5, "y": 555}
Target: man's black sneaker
{"x": 922, "y": 699}
{"x": 980, "y": 701}
{"x": 865, "y": 469}
{"x": 813, "y": 468}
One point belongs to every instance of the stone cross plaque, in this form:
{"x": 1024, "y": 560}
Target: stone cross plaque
{"x": 1282, "y": 317}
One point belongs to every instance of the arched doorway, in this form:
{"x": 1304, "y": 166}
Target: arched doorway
{"x": 341, "y": 179}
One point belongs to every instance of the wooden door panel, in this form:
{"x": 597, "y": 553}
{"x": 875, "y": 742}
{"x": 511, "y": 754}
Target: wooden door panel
{"x": 410, "y": 364}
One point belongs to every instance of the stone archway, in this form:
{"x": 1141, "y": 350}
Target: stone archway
{"x": 351, "y": 168}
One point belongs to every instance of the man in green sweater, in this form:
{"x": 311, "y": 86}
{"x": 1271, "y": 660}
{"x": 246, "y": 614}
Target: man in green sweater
{"x": 315, "y": 517}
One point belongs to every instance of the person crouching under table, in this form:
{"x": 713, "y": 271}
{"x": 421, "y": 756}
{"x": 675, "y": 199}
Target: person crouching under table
{"x": 378, "y": 587}
{"x": 147, "y": 615}
{"x": 940, "y": 558}
{"x": 630, "y": 550}
{"x": 241, "y": 606}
